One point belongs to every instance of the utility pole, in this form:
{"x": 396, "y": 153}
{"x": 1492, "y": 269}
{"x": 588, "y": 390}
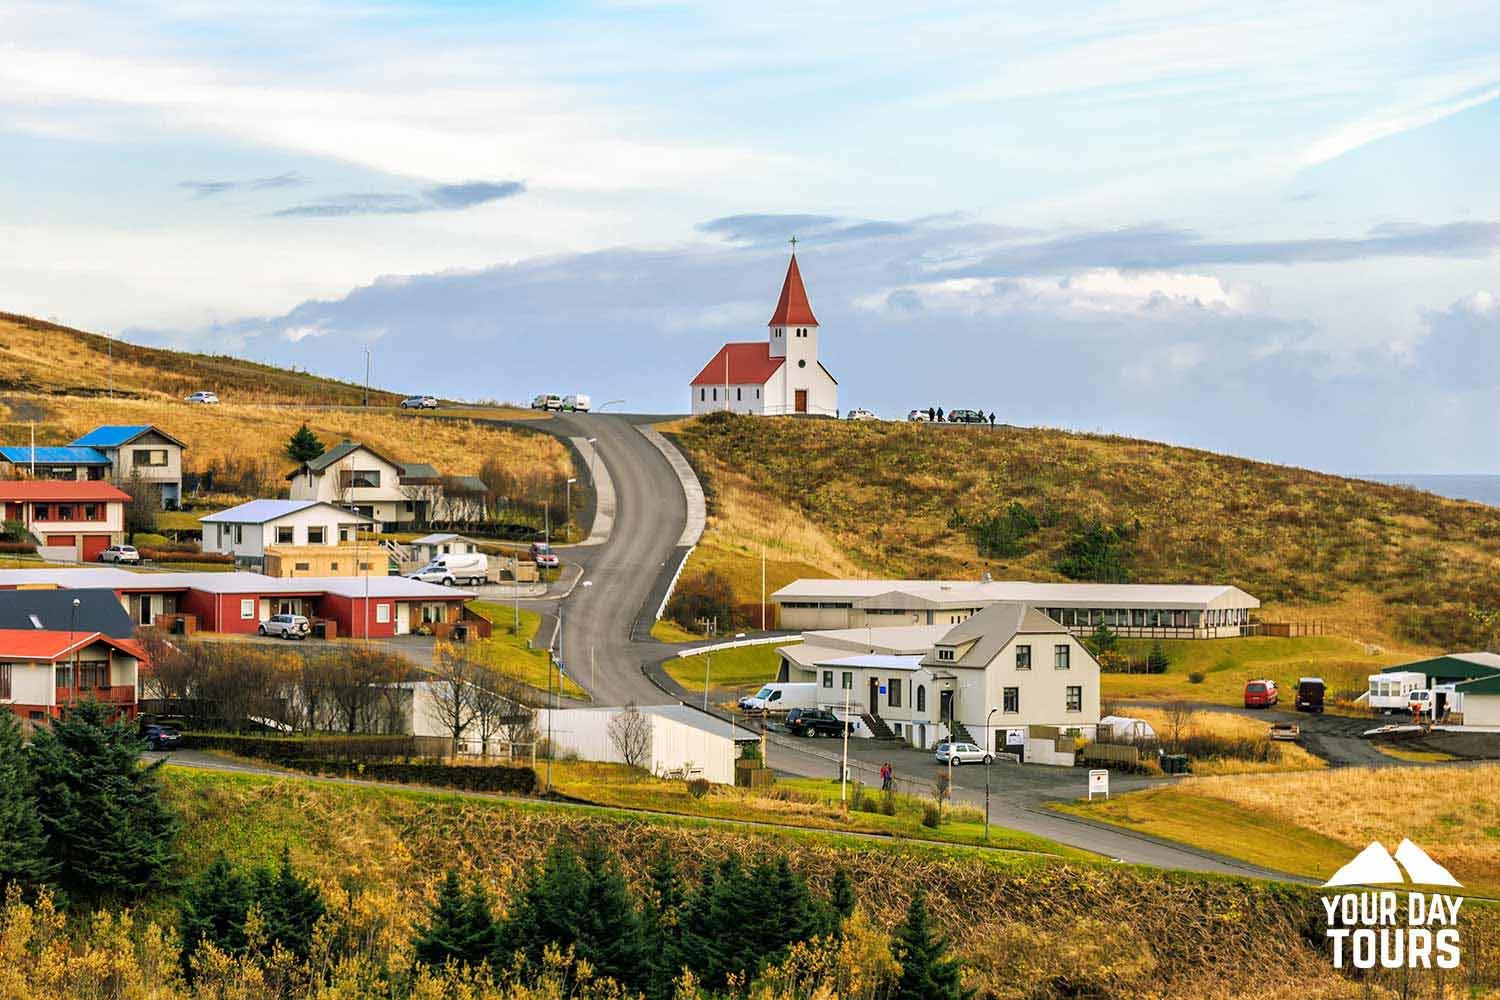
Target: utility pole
{"x": 844, "y": 763}
{"x": 990, "y": 738}
{"x": 547, "y": 521}
{"x": 568, "y": 510}
{"x": 72, "y": 653}
{"x": 367, "y": 376}
{"x": 762, "y": 587}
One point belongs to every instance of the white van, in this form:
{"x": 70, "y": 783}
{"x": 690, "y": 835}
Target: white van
{"x": 455, "y": 567}
{"x": 578, "y": 402}
{"x": 780, "y": 698}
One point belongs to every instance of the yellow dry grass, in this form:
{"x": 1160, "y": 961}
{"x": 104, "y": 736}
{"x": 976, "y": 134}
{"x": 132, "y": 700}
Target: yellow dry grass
{"x": 1228, "y": 725}
{"x": 1452, "y": 812}
{"x": 237, "y": 431}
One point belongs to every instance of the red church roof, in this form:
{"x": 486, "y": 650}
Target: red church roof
{"x": 748, "y": 364}
{"x": 792, "y": 308}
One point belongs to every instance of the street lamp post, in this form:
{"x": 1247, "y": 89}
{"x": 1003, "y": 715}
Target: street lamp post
{"x": 708, "y": 660}
{"x": 989, "y": 759}
{"x": 844, "y": 763}
{"x": 568, "y": 508}
{"x": 72, "y": 653}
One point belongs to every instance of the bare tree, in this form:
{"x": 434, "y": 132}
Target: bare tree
{"x": 1179, "y": 716}
{"x": 496, "y": 702}
{"x": 452, "y": 687}
{"x": 141, "y": 508}
{"x": 630, "y": 733}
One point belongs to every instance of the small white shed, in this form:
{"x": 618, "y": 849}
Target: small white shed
{"x": 683, "y": 740}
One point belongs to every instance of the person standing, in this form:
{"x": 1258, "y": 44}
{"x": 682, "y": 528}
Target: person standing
{"x": 940, "y": 414}
{"x": 931, "y": 414}
{"x": 885, "y": 776}
{"x": 992, "y": 418}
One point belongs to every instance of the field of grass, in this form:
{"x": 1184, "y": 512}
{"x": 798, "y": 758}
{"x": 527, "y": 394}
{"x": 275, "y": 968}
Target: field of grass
{"x": 1313, "y": 822}
{"x": 741, "y": 670}
{"x": 1015, "y": 919}
{"x": 1226, "y": 664}
{"x": 1285, "y": 756}
{"x": 889, "y": 498}
{"x": 666, "y": 630}
{"x": 506, "y": 650}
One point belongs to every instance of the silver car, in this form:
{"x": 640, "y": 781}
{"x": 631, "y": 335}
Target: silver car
{"x": 286, "y": 626}
{"x": 962, "y": 753}
{"x": 120, "y": 554}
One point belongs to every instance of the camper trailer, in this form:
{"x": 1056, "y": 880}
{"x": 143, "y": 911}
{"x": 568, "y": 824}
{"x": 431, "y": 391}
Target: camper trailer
{"x": 1392, "y": 692}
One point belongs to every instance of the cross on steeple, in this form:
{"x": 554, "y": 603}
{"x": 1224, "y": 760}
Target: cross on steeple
{"x": 793, "y": 242}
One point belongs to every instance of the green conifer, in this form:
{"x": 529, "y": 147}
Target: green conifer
{"x": 462, "y": 928}
{"x": 290, "y": 905}
{"x": 926, "y": 971}
{"x": 303, "y": 445}
{"x": 23, "y": 846}
{"x": 213, "y": 909}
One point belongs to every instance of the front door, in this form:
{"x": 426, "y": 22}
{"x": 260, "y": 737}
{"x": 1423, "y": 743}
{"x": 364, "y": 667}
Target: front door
{"x": 801, "y": 400}
{"x": 875, "y": 696}
{"x": 945, "y": 706}
{"x": 144, "y": 610}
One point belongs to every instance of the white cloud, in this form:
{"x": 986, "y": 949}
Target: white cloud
{"x": 1101, "y": 291}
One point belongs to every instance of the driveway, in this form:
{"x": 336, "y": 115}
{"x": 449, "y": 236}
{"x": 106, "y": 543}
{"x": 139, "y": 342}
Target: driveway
{"x": 1335, "y": 738}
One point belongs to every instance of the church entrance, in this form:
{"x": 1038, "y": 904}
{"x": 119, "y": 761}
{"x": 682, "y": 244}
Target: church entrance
{"x": 801, "y": 400}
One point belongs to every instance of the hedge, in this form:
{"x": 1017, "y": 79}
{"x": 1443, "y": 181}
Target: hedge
{"x": 187, "y": 556}
{"x": 17, "y": 547}
{"x": 284, "y": 750}
{"x": 476, "y": 778}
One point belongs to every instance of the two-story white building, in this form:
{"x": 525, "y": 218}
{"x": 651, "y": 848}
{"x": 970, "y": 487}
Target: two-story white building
{"x": 252, "y": 530}
{"x": 356, "y": 476}
{"x": 1005, "y": 668}
{"x": 140, "y": 452}
{"x": 85, "y": 517}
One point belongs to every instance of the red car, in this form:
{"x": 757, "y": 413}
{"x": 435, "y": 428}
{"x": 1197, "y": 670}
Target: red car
{"x": 1260, "y": 694}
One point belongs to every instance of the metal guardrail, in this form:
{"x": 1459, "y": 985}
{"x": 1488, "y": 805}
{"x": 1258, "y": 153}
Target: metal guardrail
{"x": 763, "y": 640}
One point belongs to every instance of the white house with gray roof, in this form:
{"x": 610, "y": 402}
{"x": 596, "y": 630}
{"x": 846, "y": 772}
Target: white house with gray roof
{"x": 1133, "y": 610}
{"x": 1007, "y": 667}
{"x": 248, "y": 530}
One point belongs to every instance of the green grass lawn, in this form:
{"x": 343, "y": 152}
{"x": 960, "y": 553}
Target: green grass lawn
{"x": 740, "y": 670}
{"x": 666, "y": 630}
{"x": 1221, "y": 827}
{"x": 506, "y": 650}
{"x": 179, "y": 520}
{"x": 1226, "y": 664}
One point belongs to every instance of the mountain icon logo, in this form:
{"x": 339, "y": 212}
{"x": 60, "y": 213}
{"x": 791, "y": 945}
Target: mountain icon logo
{"x": 1377, "y": 866}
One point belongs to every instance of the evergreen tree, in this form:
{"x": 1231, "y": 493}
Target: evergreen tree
{"x": 303, "y": 445}
{"x": 23, "y": 846}
{"x": 213, "y": 909}
{"x": 1156, "y": 660}
{"x": 661, "y": 926}
{"x": 290, "y": 905}
{"x": 462, "y": 926}
{"x": 608, "y": 933}
{"x": 107, "y": 829}
{"x": 548, "y": 907}
{"x": 926, "y": 971}
{"x": 841, "y": 893}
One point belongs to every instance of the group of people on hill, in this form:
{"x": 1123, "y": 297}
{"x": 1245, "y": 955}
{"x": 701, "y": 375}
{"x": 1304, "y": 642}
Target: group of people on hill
{"x": 935, "y": 415}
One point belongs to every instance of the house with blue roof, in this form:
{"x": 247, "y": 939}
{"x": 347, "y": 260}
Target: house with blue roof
{"x": 140, "y": 451}
{"x": 69, "y": 463}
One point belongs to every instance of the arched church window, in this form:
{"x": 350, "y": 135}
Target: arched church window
{"x": 921, "y": 698}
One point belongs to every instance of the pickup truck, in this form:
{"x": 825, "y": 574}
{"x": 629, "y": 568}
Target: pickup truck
{"x": 1285, "y": 731}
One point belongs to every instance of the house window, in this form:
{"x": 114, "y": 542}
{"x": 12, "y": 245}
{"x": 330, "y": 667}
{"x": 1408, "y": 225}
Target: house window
{"x": 1010, "y": 700}
{"x": 4, "y": 680}
{"x": 63, "y": 675}
{"x": 91, "y": 512}
{"x": 828, "y": 678}
{"x": 702, "y": 395}
{"x": 1023, "y": 657}
{"x": 1075, "y": 698}
{"x": 848, "y": 680}
{"x": 65, "y": 512}
{"x": 1061, "y": 654}
{"x": 945, "y": 654}
{"x": 757, "y": 393}
{"x": 738, "y": 394}
{"x": 239, "y": 534}
{"x": 382, "y": 614}
{"x": 894, "y": 700}
{"x": 301, "y": 567}
{"x": 284, "y": 535}
{"x": 333, "y": 567}
{"x": 40, "y": 512}
{"x": 716, "y": 394}
{"x": 921, "y": 697}
{"x": 247, "y": 609}
{"x": 363, "y": 478}
{"x": 150, "y": 456}
{"x": 93, "y": 674}
{"x": 315, "y": 534}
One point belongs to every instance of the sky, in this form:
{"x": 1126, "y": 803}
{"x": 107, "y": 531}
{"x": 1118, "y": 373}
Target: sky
{"x": 1266, "y": 229}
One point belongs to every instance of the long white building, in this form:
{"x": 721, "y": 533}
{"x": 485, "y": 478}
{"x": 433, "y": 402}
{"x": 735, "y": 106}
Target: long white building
{"x": 1132, "y": 610}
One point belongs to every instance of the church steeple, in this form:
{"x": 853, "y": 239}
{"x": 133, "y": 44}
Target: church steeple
{"x": 792, "y": 308}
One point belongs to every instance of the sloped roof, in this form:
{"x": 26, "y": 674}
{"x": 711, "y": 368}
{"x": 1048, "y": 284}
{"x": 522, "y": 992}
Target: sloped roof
{"x": 98, "y": 610}
{"x": 990, "y": 630}
{"x": 747, "y": 364}
{"x": 340, "y": 450}
{"x": 792, "y": 309}
{"x": 689, "y": 716}
{"x": 21, "y": 455}
{"x": 469, "y": 484}
{"x": 115, "y": 435}
{"x": 417, "y": 470}
{"x": 49, "y": 645}
{"x": 1452, "y": 665}
{"x": 61, "y": 490}
{"x": 261, "y": 511}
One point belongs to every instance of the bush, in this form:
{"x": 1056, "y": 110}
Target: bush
{"x": 492, "y": 778}
{"x": 932, "y": 815}
{"x": 1000, "y": 535}
{"x": 707, "y": 595}
{"x": 1097, "y": 553}
{"x": 888, "y": 804}
{"x": 186, "y": 556}
{"x": 1156, "y": 660}
{"x": 284, "y": 749}
{"x": 698, "y": 787}
{"x": 1196, "y": 677}
{"x": 29, "y": 547}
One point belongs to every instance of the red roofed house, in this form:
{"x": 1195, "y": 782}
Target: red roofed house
{"x": 781, "y": 374}
{"x": 86, "y": 516}
{"x": 37, "y": 678}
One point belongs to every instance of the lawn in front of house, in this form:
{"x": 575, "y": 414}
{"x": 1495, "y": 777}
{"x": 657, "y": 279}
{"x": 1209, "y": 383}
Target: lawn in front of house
{"x": 1226, "y": 664}
{"x": 742, "y": 669}
{"x": 507, "y": 650}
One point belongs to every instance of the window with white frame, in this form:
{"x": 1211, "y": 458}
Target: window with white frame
{"x": 315, "y": 534}
{"x": 1010, "y": 700}
{"x": 382, "y": 614}
{"x": 247, "y": 609}
{"x": 1023, "y": 657}
{"x": 848, "y": 680}
{"x": 828, "y": 678}
{"x": 285, "y": 533}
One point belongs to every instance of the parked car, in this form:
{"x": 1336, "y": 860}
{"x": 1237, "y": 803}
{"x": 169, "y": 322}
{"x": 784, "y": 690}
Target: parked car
{"x": 576, "y": 403}
{"x": 543, "y": 556}
{"x": 1310, "y": 691}
{"x": 419, "y": 403}
{"x": 813, "y": 722}
{"x": 967, "y": 417}
{"x": 540, "y": 402}
{"x": 918, "y": 416}
{"x": 859, "y": 414}
{"x": 780, "y": 696}
{"x": 962, "y": 753}
{"x": 470, "y": 567}
{"x": 286, "y": 626}
{"x": 160, "y": 737}
{"x": 1260, "y": 693}
{"x": 202, "y": 396}
{"x": 120, "y": 554}
{"x": 1285, "y": 731}
{"x": 552, "y": 402}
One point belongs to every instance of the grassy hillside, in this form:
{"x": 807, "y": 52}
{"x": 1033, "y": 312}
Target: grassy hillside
{"x": 911, "y": 500}
{"x": 41, "y": 357}
{"x": 1018, "y": 920}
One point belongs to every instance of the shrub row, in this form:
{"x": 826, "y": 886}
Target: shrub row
{"x": 476, "y": 778}
{"x": 185, "y": 556}
{"x": 17, "y": 547}
{"x": 284, "y": 750}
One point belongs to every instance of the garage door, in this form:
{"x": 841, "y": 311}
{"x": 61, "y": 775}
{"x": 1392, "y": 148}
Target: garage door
{"x": 62, "y": 541}
{"x": 93, "y": 545}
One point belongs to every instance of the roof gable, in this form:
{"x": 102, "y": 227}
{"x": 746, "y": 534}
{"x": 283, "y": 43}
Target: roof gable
{"x": 740, "y": 364}
{"x": 985, "y": 633}
{"x": 262, "y": 511}
{"x": 342, "y": 450}
{"x": 115, "y": 435}
{"x": 49, "y": 645}
{"x": 793, "y": 309}
{"x": 61, "y": 490}
{"x": 99, "y": 610}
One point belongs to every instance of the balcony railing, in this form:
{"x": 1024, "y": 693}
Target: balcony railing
{"x": 119, "y": 694}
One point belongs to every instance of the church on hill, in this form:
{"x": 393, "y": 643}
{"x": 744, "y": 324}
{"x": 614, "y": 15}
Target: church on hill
{"x": 781, "y": 374}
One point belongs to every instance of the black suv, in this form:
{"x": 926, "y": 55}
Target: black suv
{"x": 813, "y": 722}
{"x": 967, "y": 417}
{"x": 161, "y": 737}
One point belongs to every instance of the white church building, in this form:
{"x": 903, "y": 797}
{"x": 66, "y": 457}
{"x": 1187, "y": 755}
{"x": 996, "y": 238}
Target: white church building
{"x": 781, "y": 374}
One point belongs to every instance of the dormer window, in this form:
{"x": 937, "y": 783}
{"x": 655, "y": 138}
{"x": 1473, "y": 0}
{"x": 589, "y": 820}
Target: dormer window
{"x": 945, "y": 653}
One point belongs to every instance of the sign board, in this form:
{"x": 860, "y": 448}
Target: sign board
{"x": 1015, "y": 737}
{"x": 882, "y": 689}
{"x": 1098, "y": 783}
